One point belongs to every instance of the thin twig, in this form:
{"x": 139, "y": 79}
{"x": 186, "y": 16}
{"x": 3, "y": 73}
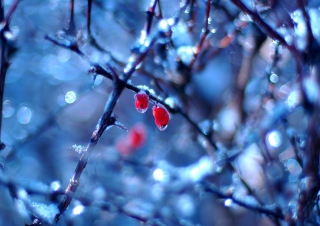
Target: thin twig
{"x": 204, "y": 34}
{"x": 91, "y": 38}
{"x": 89, "y": 17}
{"x": 71, "y": 29}
{"x": 11, "y": 11}
{"x": 150, "y": 15}
{"x": 277, "y": 213}
{"x": 72, "y": 45}
{"x": 263, "y": 25}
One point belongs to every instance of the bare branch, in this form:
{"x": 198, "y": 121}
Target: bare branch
{"x": 274, "y": 212}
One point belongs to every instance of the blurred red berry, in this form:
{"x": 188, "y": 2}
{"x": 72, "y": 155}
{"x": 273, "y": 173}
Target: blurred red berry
{"x": 137, "y": 135}
{"x": 135, "y": 139}
{"x": 161, "y": 116}
{"x": 141, "y": 101}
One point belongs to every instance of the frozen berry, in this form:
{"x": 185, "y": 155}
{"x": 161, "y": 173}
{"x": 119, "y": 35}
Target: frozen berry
{"x": 161, "y": 116}
{"x": 141, "y": 101}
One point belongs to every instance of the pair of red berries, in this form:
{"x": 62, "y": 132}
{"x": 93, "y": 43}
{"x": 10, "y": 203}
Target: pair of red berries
{"x": 160, "y": 113}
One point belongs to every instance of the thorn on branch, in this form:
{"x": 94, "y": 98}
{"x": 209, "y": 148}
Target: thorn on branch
{"x": 103, "y": 124}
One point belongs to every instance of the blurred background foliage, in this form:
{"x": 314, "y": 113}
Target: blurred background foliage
{"x": 242, "y": 90}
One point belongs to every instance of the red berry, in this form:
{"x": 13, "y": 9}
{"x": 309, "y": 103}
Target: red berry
{"x": 161, "y": 116}
{"x": 135, "y": 139}
{"x": 137, "y": 135}
{"x": 141, "y": 101}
